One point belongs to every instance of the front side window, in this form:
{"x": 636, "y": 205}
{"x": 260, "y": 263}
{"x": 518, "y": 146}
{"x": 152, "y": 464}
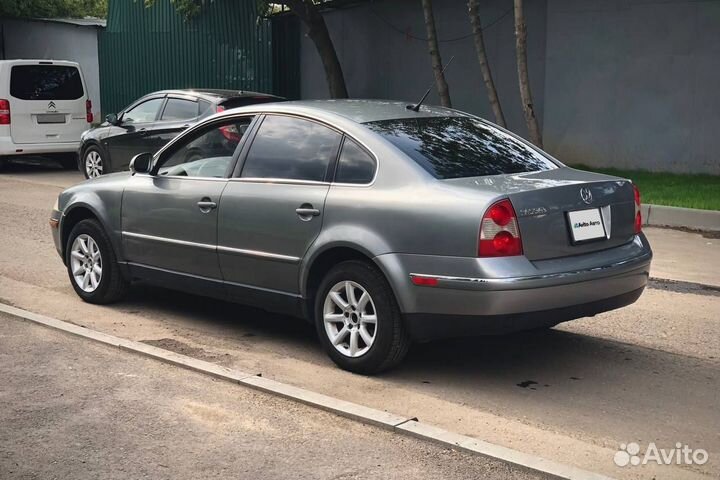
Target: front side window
{"x": 455, "y": 147}
{"x": 207, "y": 154}
{"x": 45, "y": 82}
{"x": 355, "y": 165}
{"x": 292, "y": 148}
{"x": 144, "y": 112}
{"x": 179, "y": 109}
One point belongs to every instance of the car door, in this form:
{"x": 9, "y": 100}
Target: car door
{"x": 169, "y": 217}
{"x": 178, "y": 114}
{"x": 272, "y": 209}
{"x": 129, "y": 136}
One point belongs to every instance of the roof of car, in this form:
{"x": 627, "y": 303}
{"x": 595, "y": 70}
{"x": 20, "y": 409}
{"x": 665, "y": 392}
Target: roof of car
{"x": 363, "y": 111}
{"x": 218, "y": 93}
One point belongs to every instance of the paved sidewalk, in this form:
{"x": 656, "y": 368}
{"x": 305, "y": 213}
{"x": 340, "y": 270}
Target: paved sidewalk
{"x": 74, "y": 409}
{"x": 684, "y": 256}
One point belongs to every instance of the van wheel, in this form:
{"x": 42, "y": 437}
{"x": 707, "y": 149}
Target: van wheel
{"x": 93, "y": 162}
{"x": 358, "y": 319}
{"x": 91, "y": 264}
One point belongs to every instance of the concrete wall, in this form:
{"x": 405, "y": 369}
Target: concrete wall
{"x": 625, "y": 83}
{"x": 56, "y": 41}
{"x": 380, "y": 62}
{"x": 634, "y": 83}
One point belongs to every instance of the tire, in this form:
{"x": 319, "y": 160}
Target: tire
{"x": 94, "y": 162}
{"x": 111, "y": 286}
{"x": 389, "y": 339}
{"x": 69, "y": 161}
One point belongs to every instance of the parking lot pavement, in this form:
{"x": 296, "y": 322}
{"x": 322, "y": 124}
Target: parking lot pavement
{"x": 74, "y": 409}
{"x": 646, "y": 373}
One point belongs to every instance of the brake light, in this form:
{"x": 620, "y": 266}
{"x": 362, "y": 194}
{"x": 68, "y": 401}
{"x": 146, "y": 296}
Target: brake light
{"x": 638, "y": 210}
{"x": 230, "y": 132}
{"x": 4, "y": 112}
{"x": 499, "y": 232}
{"x": 88, "y": 111}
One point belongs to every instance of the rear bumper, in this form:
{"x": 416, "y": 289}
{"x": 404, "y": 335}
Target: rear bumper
{"x": 9, "y": 148}
{"x": 491, "y": 296}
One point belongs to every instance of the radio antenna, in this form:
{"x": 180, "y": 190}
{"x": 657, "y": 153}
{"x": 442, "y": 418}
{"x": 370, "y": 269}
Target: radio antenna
{"x": 416, "y": 108}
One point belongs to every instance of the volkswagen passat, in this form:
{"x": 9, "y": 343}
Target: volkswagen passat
{"x": 379, "y": 224}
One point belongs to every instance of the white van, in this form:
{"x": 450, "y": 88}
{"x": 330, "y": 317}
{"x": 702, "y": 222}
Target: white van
{"x": 44, "y": 108}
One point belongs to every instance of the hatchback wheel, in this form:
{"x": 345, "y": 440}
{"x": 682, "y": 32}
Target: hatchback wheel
{"x": 93, "y": 164}
{"x": 358, "y": 320}
{"x": 92, "y": 267}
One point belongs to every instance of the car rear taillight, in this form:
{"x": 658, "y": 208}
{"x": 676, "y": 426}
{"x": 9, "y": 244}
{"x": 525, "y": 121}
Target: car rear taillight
{"x": 499, "y": 232}
{"x": 88, "y": 111}
{"x": 638, "y": 210}
{"x": 230, "y": 132}
{"x": 4, "y": 112}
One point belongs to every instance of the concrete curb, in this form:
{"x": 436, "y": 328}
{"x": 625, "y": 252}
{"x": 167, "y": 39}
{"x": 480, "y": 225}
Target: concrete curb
{"x": 396, "y": 423}
{"x": 662, "y": 216}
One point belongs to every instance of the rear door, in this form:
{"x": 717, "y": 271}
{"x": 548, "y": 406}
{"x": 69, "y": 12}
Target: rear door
{"x": 178, "y": 114}
{"x": 47, "y": 103}
{"x": 272, "y": 211}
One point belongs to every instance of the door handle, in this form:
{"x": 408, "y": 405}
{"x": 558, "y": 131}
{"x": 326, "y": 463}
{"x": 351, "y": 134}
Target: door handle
{"x": 307, "y": 211}
{"x": 206, "y": 205}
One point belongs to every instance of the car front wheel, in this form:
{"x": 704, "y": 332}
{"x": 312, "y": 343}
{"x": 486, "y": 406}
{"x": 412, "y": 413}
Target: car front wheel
{"x": 93, "y": 163}
{"x": 358, "y": 319}
{"x": 91, "y": 264}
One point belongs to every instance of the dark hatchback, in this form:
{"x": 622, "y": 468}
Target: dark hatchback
{"x": 151, "y": 121}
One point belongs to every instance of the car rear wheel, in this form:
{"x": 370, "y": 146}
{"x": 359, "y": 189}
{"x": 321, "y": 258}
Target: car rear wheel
{"x": 91, "y": 264}
{"x": 93, "y": 163}
{"x": 358, "y": 319}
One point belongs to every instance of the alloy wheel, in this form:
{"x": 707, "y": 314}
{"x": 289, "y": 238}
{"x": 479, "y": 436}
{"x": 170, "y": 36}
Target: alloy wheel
{"x": 86, "y": 263}
{"x": 350, "y": 318}
{"x": 93, "y": 164}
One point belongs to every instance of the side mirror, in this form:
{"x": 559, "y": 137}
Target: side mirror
{"x": 141, "y": 163}
{"x": 111, "y": 118}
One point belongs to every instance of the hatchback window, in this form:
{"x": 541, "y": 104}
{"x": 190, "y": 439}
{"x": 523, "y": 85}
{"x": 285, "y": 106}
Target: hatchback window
{"x": 355, "y": 164}
{"x": 45, "y": 82}
{"x": 144, "y": 112}
{"x": 180, "y": 109}
{"x": 455, "y": 147}
{"x": 292, "y": 148}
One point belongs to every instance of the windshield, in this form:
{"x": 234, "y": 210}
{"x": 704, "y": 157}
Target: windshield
{"x": 456, "y": 147}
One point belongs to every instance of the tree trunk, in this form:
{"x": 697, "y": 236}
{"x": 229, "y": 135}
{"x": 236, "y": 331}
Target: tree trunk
{"x": 437, "y": 66}
{"x": 318, "y": 33}
{"x": 484, "y": 65}
{"x": 523, "y": 78}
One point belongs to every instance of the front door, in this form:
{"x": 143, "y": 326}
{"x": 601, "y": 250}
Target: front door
{"x": 272, "y": 211}
{"x": 169, "y": 218}
{"x": 130, "y": 136}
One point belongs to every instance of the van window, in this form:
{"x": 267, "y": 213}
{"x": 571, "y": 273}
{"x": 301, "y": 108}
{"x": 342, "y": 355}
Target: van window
{"x": 45, "y": 82}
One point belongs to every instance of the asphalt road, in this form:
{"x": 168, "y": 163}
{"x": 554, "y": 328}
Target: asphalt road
{"x": 76, "y": 410}
{"x": 646, "y": 373}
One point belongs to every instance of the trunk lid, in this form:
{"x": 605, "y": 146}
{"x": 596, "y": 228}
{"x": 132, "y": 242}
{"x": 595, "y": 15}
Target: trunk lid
{"x": 543, "y": 199}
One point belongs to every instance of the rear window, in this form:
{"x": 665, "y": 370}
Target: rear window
{"x": 243, "y": 101}
{"x": 456, "y": 147}
{"x": 45, "y": 82}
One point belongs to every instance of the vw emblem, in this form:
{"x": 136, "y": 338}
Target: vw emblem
{"x": 586, "y": 195}
{"x": 52, "y": 107}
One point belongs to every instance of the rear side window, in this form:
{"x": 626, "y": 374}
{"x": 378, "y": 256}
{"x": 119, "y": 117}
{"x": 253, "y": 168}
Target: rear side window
{"x": 45, "y": 82}
{"x": 292, "y": 148}
{"x": 180, "y": 109}
{"x": 455, "y": 147}
{"x": 355, "y": 164}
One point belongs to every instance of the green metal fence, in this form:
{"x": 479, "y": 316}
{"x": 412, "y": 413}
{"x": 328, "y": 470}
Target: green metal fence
{"x": 147, "y": 49}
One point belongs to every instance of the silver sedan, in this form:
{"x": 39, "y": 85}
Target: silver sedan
{"x": 380, "y": 224}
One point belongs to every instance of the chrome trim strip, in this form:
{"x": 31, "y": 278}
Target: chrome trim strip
{"x": 449, "y": 280}
{"x": 277, "y": 180}
{"x": 218, "y": 248}
{"x": 257, "y": 253}
{"x": 184, "y": 243}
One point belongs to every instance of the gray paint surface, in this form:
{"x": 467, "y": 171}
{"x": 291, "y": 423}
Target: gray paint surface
{"x": 31, "y": 39}
{"x": 629, "y": 84}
